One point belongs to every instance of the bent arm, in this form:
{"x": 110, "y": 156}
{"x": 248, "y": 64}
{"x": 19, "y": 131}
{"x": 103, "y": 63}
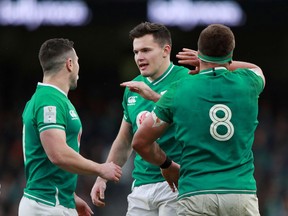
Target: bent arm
{"x": 60, "y": 154}
{"x": 144, "y": 140}
{"x": 144, "y": 144}
{"x": 240, "y": 64}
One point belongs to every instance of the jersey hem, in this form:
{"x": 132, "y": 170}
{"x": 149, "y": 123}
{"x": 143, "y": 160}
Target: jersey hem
{"x": 29, "y": 196}
{"x": 216, "y": 192}
{"x": 136, "y": 184}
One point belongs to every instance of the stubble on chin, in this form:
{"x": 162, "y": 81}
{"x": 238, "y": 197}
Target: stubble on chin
{"x": 73, "y": 85}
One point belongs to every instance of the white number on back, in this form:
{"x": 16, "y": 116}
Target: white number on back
{"x": 221, "y": 121}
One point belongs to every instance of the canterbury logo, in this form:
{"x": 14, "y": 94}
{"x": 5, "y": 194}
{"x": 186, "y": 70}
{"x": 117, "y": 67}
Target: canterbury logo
{"x": 132, "y": 100}
{"x": 73, "y": 114}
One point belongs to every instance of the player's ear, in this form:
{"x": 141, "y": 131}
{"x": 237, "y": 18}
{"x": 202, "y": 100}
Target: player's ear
{"x": 166, "y": 51}
{"x": 69, "y": 64}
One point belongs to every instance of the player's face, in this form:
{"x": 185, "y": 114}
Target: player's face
{"x": 149, "y": 56}
{"x": 75, "y": 73}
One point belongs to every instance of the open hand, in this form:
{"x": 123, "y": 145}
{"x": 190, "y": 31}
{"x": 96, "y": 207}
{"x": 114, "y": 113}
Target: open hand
{"x": 98, "y": 192}
{"x": 189, "y": 57}
{"x": 171, "y": 174}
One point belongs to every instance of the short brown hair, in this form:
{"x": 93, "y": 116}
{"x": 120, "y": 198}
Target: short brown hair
{"x": 216, "y": 40}
{"x": 160, "y": 33}
{"x": 53, "y": 52}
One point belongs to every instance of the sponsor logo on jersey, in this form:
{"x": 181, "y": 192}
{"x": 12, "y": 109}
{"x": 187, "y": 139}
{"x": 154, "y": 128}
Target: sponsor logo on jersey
{"x": 50, "y": 114}
{"x": 141, "y": 116}
{"x": 73, "y": 114}
{"x": 132, "y": 100}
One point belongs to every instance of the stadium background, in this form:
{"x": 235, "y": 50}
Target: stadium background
{"x": 106, "y": 59}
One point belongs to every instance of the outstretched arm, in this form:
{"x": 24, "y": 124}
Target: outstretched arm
{"x": 60, "y": 154}
{"x": 142, "y": 89}
{"x": 240, "y": 64}
{"x": 190, "y": 57}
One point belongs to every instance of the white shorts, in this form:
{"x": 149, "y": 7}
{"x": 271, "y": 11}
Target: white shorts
{"x": 219, "y": 204}
{"x": 29, "y": 207}
{"x": 152, "y": 200}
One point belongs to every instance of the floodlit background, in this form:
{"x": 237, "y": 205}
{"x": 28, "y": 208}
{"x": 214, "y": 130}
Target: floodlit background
{"x": 100, "y": 31}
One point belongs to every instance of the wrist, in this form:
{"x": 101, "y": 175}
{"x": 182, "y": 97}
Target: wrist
{"x": 156, "y": 97}
{"x": 99, "y": 178}
{"x": 166, "y": 164}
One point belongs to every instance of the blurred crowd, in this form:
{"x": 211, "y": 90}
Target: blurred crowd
{"x": 101, "y": 118}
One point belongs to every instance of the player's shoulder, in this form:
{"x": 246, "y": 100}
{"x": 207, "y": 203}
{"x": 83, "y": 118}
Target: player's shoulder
{"x": 254, "y": 75}
{"x": 49, "y": 96}
{"x": 179, "y": 72}
{"x": 180, "y": 68}
{"x": 247, "y": 72}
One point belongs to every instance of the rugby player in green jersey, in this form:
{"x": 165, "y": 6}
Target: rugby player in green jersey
{"x": 215, "y": 113}
{"x": 51, "y": 139}
{"x": 151, "y": 195}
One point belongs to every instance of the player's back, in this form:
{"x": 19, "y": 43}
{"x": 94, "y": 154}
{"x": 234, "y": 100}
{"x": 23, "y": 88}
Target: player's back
{"x": 216, "y": 117}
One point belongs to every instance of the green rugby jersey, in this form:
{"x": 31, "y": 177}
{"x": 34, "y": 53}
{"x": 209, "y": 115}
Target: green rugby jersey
{"x": 215, "y": 113}
{"x": 49, "y": 108}
{"x": 135, "y": 109}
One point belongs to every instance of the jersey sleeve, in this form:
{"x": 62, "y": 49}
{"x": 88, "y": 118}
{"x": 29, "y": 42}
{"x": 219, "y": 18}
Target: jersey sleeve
{"x": 50, "y": 113}
{"x": 256, "y": 79}
{"x": 163, "y": 108}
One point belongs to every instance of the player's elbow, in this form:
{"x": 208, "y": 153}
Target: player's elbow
{"x": 57, "y": 159}
{"x": 138, "y": 146}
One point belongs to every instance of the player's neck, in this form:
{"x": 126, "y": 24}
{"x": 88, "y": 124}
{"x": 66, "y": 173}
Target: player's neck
{"x": 208, "y": 65}
{"x": 58, "y": 81}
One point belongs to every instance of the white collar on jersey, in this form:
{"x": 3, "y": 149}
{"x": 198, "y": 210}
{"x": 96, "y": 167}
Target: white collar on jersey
{"x": 53, "y": 86}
